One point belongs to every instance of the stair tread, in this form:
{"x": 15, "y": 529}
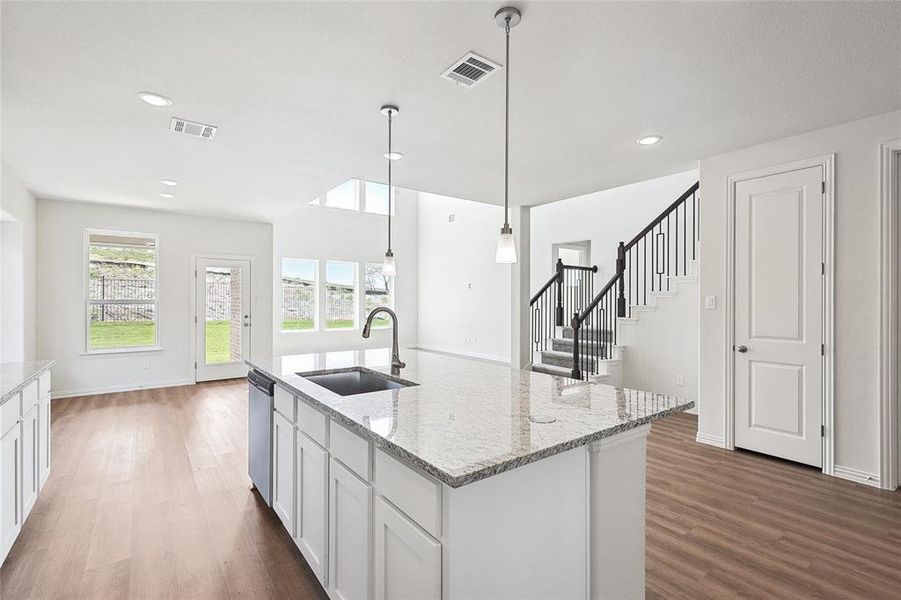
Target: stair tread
{"x": 552, "y": 370}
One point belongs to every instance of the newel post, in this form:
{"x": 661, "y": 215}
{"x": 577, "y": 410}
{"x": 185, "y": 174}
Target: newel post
{"x": 558, "y": 309}
{"x": 577, "y": 372}
{"x": 620, "y": 273}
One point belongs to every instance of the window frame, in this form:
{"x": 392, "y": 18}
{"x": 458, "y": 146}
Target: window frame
{"x": 391, "y": 288}
{"x": 316, "y": 303}
{"x": 360, "y": 206}
{"x": 357, "y": 287}
{"x": 88, "y": 303}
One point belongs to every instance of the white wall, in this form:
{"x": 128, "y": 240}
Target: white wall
{"x": 18, "y": 259}
{"x": 606, "y": 218}
{"x": 322, "y": 233}
{"x": 857, "y": 233}
{"x": 61, "y": 265}
{"x": 464, "y": 296}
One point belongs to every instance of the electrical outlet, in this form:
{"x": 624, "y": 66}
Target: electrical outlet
{"x": 710, "y": 302}
{"x": 680, "y": 380}
{"x": 145, "y": 364}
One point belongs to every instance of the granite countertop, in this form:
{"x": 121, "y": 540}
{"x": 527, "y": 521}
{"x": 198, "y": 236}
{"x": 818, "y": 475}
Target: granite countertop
{"x": 14, "y": 375}
{"x": 469, "y": 419}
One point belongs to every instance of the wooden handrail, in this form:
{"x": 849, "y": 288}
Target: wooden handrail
{"x": 663, "y": 215}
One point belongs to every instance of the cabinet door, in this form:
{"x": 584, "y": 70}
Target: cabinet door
{"x": 10, "y": 488}
{"x": 30, "y": 461}
{"x": 311, "y": 495}
{"x": 283, "y": 470}
{"x": 407, "y": 559}
{"x": 349, "y": 507}
{"x": 44, "y": 441}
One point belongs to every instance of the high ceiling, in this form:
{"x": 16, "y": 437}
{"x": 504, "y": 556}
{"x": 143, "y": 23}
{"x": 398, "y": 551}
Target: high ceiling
{"x": 295, "y": 88}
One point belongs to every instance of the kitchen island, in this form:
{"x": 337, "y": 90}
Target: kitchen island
{"x": 467, "y": 480}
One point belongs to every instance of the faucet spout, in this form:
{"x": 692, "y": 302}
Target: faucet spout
{"x": 396, "y": 363}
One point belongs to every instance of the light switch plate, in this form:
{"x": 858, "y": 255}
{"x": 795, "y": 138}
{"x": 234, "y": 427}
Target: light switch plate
{"x": 710, "y": 302}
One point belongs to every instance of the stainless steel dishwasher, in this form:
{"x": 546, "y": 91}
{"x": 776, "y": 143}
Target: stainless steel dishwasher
{"x": 259, "y": 432}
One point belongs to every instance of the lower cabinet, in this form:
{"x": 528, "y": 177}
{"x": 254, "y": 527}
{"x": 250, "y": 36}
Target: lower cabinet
{"x": 350, "y": 501}
{"x": 43, "y": 441}
{"x": 30, "y": 461}
{"x": 10, "y": 488}
{"x": 311, "y": 495}
{"x": 283, "y": 470}
{"x": 407, "y": 559}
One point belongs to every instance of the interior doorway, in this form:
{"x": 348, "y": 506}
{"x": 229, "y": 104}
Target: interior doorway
{"x": 222, "y": 317}
{"x": 572, "y": 253}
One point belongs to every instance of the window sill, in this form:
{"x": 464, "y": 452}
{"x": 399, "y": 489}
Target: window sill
{"x": 293, "y": 331}
{"x": 343, "y": 329}
{"x": 110, "y": 351}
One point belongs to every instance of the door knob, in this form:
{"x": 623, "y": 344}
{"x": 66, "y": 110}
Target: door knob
{"x": 742, "y": 349}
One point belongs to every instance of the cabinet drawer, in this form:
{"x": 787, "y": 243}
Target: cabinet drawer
{"x": 284, "y": 403}
{"x": 312, "y": 422}
{"x": 29, "y": 396}
{"x": 350, "y": 449}
{"x": 44, "y": 386}
{"x": 9, "y": 413}
{"x": 418, "y": 496}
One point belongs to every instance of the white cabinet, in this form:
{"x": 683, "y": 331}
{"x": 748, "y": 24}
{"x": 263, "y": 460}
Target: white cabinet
{"x": 311, "y": 495}
{"x": 349, "y": 528}
{"x": 30, "y": 461}
{"x": 283, "y": 470}
{"x": 10, "y": 488}
{"x": 43, "y": 441}
{"x": 407, "y": 559}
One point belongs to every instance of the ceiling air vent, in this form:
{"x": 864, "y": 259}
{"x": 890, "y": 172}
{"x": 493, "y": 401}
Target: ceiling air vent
{"x": 470, "y": 70}
{"x": 192, "y": 128}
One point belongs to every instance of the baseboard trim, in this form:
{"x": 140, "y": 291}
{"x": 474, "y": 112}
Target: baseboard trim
{"x": 693, "y": 410}
{"x": 710, "y": 440}
{"x": 857, "y": 476}
{"x": 110, "y": 389}
{"x": 489, "y": 357}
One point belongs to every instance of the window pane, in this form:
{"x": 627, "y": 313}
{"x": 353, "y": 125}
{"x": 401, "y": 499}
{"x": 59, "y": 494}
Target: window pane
{"x": 122, "y": 270}
{"x": 379, "y": 292}
{"x": 122, "y": 326}
{"x": 223, "y": 326}
{"x": 377, "y": 198}
{"x": 340, "y": 295}
{"x": 343, "y": 196}
{"x": 298, "y": 294}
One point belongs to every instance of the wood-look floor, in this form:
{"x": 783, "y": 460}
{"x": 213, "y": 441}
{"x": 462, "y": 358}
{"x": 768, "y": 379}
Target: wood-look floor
{"x": 148, "y": 498}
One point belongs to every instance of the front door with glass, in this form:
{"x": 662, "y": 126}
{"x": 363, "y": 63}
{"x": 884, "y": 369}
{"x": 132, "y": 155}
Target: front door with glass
{"x": 222, "y": 318}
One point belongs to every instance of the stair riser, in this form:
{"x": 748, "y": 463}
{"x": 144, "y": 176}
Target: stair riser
{"x": 567, "y": 361}
{"x": 592, "y": 334}
{"x": 566, "y": 345}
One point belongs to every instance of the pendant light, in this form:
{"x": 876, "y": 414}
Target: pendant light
{"x": 506, "y": 18}
{"x": 388, "y": 268}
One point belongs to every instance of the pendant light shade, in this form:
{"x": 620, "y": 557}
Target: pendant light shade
{"x": 388, "y": 267}
{"x": 506, "y": 18}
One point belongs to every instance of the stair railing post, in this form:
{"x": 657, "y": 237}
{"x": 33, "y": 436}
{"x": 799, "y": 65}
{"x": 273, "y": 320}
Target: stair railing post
{"x": 620, "y": 272}
{"x": 558, "y": 310}
{"x": 577, "y": 372}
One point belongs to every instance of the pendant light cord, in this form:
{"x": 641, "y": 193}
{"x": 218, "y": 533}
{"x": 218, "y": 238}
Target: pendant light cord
{"x": 390, "y": 114}
{"x": 507, "y": 127}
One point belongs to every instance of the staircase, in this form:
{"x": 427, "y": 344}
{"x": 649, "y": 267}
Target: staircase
{"x": 575, "y": 331}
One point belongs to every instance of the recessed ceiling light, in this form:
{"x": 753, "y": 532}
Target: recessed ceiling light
{"x": 650, "y": 140}
{"x": 168, "y": 182}
{"x": 167, "y": 195}
{"x": 154, "y": 99}
{"x": 393, "y": 155}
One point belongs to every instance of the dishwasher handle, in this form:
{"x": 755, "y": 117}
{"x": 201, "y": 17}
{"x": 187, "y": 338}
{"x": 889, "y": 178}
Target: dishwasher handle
{"x": 261, "y": 382}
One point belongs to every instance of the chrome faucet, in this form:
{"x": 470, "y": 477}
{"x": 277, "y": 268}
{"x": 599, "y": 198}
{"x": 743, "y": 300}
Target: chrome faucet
{"x": 396, "y": 363}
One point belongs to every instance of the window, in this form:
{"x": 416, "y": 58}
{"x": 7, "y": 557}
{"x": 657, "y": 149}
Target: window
{"x": 122, "y": 291}
{"x": 358, "y": 195}
{"x": 340, "y": 295}
{"x": 299, "y": 295}
{"x": 344, "y": 196}
{"x": 379, "y": 291}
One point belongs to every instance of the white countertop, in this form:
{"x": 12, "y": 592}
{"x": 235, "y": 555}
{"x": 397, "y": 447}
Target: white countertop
{"x": 14, "y": 375}
{"x": 469, "y": 419}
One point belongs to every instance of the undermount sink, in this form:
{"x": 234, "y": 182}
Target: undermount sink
{"x": 355, "y": 381}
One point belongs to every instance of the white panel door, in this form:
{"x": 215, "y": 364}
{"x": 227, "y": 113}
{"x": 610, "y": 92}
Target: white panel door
{"x": 222, "y": 318}
{"x": 283, "y": 470}
{"x": 779, "y": 315}
{"x": 30, "y": 461}
{"x": 10, "y": 489}
{"x": 350, "y": 501}
{"x": 311, "y": 495}
{"x": 407, "y": 559}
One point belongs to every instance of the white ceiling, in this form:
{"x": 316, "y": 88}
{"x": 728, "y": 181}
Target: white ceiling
{"x": 296, "y": 89}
